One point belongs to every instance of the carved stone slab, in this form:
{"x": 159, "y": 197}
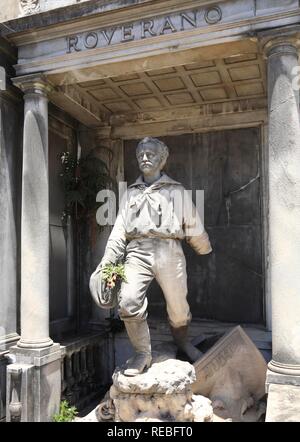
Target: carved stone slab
{"x": 232, "y": 374}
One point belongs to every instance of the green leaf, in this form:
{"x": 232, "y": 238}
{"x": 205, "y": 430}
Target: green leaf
{"x": 114, "y": 269}
{"x": 66, "y": 413}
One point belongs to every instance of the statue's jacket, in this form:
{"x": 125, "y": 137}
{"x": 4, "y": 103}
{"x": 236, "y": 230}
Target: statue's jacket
{"x": 163, "y": 210}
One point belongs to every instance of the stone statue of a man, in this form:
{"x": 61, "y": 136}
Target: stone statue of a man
{"x": 147, "y": 235}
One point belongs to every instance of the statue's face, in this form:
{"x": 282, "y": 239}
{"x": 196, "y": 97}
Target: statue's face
{"x": 150, "y": 159}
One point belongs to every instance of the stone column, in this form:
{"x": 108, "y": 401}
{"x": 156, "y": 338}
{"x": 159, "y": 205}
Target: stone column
{"x": 34, "y": 380}
{"x": 283, "y": 375}
{"x": 284, "y": 209}
{"x": 35, "y": 216}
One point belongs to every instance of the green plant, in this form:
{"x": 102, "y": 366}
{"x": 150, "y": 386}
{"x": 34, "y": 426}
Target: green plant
{"x": 67, "y": 413}
{"x": 112, "y": 272}
{"x": 81, "y": 180}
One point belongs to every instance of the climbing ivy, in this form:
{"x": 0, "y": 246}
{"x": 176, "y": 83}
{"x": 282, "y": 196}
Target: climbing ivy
{"x": 81, "y": 180}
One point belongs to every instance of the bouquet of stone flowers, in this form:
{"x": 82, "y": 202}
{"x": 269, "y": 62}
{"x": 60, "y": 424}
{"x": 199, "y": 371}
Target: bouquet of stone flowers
{"x": 105, "y": 284}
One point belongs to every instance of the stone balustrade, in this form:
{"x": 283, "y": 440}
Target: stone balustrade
{"x": 86, "y": 374}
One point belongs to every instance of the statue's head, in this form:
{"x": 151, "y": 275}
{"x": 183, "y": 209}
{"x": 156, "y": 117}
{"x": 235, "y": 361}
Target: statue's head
{"x": 151, "y": 155}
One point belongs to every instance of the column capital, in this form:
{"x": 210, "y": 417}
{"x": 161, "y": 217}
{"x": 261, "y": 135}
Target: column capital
{"x": 34, "y": 84}
{"x": 280, "y": 41}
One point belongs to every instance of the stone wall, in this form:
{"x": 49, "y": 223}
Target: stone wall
{"x": 93, "y": 238}
{"x": 10, "y": 206}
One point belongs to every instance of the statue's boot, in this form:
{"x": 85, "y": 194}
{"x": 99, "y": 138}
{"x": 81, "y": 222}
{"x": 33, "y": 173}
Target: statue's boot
{"x": 180, "y": 336}
{"x": 139, "y": 335}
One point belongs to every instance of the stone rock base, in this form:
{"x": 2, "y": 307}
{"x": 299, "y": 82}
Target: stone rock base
{"x": 161, "y": 408}
{"x": 162, "y": 394}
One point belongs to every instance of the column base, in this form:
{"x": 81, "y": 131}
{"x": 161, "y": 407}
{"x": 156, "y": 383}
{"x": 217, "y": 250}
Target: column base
{"x": 282, "y": 374}
{"x": 283, "y": 403}
{"x": 283, "y": 388}
{"x": 35, "y": 344}
{"x": 34, "y": 384}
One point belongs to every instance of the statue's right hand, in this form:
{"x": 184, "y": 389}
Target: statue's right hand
{"x": 104, "y": 262}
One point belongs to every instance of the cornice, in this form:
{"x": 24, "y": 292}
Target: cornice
{"x": 131, "y": 14}
{"x": 84, "y": 16}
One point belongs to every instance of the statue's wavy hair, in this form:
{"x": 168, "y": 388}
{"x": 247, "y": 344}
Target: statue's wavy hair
{"x": 163, "y": 147}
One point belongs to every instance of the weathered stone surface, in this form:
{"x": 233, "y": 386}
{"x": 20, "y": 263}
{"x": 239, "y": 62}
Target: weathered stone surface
{"x": 34, "y": 384}
{"x": 201, "y": 409}
{"x": 232, "y": 374}
{"x": 168, "y": 377}
{"x": 162, "y": 394}
{"x": 35, "y": 231}
{"x": 229, "y": 385}
{"x": 161, "y": 408}
{"x": 158, "y": 407}
{"x": 282, "y": 379}
{"x": 10, "y": 174}
{"x": 283, "y": 403}
{"x": 284, "y": 213}
{"x": 35, "y": 240}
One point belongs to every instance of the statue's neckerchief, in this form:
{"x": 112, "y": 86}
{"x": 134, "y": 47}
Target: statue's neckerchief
{"x": 148, "y": 193}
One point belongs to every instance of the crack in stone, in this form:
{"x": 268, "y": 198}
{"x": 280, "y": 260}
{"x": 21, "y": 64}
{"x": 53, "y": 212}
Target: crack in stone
{"x": 246, "y": 185}
{"x": 277, "y": 107}
{"x": 228, "y": 197}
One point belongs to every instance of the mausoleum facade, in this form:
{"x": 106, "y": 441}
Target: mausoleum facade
{"x": 218, "y": 82}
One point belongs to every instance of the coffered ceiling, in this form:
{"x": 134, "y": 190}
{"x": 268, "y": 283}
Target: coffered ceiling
{"x": 234, "y": 78}
{"x": 238, "y": 81}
